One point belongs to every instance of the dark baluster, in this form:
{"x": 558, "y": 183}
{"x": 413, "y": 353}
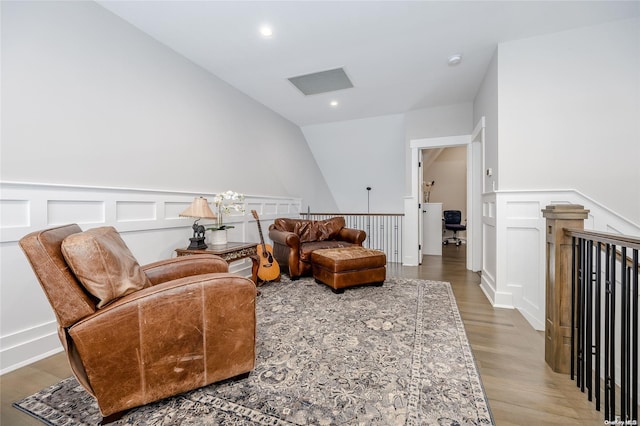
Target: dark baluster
{"x": 588, "y": 306}
{"x": 594, "y": 330}
{"x": 607, "y": 320}
{"x": 598, "y": 319}
{"x": 575, "y": 260}
{"x": 582, "y": 306}
{"x": 634, "y": 343}
{"x": 624, "y": 336}
{"x": 611, "y": 384}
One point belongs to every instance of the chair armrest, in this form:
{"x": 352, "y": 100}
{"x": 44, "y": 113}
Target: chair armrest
{"x": 355, "y": 236}
{"x": 289, "y": 239}
{"x": 168, "y": 338}
{"x": 184, "y": 266}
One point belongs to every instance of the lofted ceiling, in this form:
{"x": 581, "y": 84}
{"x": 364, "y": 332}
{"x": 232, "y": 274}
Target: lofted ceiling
{"x": 394, "y": 52}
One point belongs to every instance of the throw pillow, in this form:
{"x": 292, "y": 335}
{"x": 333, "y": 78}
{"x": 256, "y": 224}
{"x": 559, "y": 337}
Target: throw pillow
{"x": 103, "y": 263}
{"x": 327, "y": 229}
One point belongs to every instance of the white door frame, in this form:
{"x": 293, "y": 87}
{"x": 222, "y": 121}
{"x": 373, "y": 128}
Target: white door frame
{"x": 475, "y": 168}
{"x": 476, "y": 178}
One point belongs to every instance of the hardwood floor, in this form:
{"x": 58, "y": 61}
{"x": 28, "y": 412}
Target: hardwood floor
{"x": 521, "y": 388}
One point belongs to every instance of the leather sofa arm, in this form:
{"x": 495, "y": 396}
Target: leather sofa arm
{"x": 165, "y": 339}
{"x": 289, "y": 239}
{"x": 184, "y": 266}
{"x": 355, "y": 236}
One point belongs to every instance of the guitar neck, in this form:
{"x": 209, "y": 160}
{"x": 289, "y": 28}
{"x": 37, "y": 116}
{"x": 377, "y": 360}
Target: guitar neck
{"x": 255, "y": 216}
{"x": 260, "y": 231}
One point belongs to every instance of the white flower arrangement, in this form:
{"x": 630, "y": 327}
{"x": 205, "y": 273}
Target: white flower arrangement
{"x": 225, "y": 202}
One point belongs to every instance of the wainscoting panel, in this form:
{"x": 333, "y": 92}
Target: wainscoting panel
{"x": 60, "y": 212}
{"x": 272, "y": 208}
{"x": 131, "y": 211}
{"x": 514, "y": 258}
{"x": 15, "y": 213}
{"x": 172, "y": 209}
{"x": 148, "y": 221}
{"x": 525, "y": 272}
{"x": 518, "y": 210}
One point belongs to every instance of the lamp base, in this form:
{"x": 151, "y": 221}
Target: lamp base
{"x": 197, "y": 243}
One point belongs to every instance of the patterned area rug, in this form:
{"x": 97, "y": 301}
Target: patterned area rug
{"x": 391, "y": 355}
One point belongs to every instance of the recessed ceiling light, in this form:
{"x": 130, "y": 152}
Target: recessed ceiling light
{"x": 333, "y": 103}
{"x": 266, "y": 31}
{"x": 454, "y": 60}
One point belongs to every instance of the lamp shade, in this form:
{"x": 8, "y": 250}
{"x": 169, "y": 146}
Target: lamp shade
{"x": 199, "y": 208}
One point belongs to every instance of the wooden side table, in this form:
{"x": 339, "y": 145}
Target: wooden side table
{"x": 231, "y": 252}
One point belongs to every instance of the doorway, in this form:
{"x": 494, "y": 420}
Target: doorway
{"x": 444, "y": 180}
{"x": 412, "y": 233}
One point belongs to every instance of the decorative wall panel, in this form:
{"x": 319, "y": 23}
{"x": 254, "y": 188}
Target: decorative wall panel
{"x": 60, "y": 212}
{"x": 523, "y": 210}
{"x": 148, "y": 221}
{"x": 513, "y": 272}
{"x": 15, "y": 213}
{"x": 173, "y": 209}
{"x": 129, "y": 211}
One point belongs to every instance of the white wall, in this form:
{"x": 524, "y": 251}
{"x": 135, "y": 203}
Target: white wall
{"x": 485, "y": 105}
{"x": 89, "y": 99}
{"x": 375, "y": 152}
{"x": 569, "y": 107}
{"x": 356, "y": 154}
{"x": 449, "y": 120}
{"x": 91, "y": 102}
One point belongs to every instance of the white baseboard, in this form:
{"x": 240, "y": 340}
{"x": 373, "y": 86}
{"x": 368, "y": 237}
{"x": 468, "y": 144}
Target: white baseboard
{"x": 148, "y": 220}
{"x": 27, "y": 349}
{"x": 515, "y": 246}
{"x": 488, "y": 288}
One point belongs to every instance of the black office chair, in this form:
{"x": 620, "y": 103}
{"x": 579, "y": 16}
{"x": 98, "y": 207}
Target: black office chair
{"x": 453, "y": 222}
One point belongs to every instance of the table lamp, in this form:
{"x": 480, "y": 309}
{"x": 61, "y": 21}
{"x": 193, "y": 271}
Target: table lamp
{"x": 199, "y": 209}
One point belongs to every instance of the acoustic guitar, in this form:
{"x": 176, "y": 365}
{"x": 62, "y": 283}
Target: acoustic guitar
{"x": 268, "y": 269}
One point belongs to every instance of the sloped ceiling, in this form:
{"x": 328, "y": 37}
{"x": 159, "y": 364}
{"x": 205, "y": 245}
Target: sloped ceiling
{"x": 394, "y": 52}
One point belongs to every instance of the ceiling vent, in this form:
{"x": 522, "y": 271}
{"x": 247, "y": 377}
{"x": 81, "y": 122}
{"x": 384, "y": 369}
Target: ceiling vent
{"x": 322, "y": 82}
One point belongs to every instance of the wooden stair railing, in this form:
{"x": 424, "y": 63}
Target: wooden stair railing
{"x": 592, "y": 311}
{"x": 605, "y": 321}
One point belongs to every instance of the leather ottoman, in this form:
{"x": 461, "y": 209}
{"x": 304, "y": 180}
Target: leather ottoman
{"x": 344, "y": 267}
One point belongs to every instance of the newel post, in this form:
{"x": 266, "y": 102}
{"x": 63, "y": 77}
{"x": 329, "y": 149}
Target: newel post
{"x": 557, "y": 347}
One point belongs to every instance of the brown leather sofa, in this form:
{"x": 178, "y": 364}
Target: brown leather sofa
{"x": 191, "y": 324}
{"x": 295, "y": 239}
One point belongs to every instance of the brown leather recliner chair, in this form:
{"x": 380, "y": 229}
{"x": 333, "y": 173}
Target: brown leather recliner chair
{"x": 295, "y": 239}
{"x": 191, "y": 324}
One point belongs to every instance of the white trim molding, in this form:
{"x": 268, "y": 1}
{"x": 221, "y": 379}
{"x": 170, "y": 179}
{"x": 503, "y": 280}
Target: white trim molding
{"x": 412, "y": 230}
{"x": 513, "y": 270}
{"x": 148, "y": 221}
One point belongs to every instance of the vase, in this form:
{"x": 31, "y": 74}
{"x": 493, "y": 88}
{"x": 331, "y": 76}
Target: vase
{"x": 219, "y": 237}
